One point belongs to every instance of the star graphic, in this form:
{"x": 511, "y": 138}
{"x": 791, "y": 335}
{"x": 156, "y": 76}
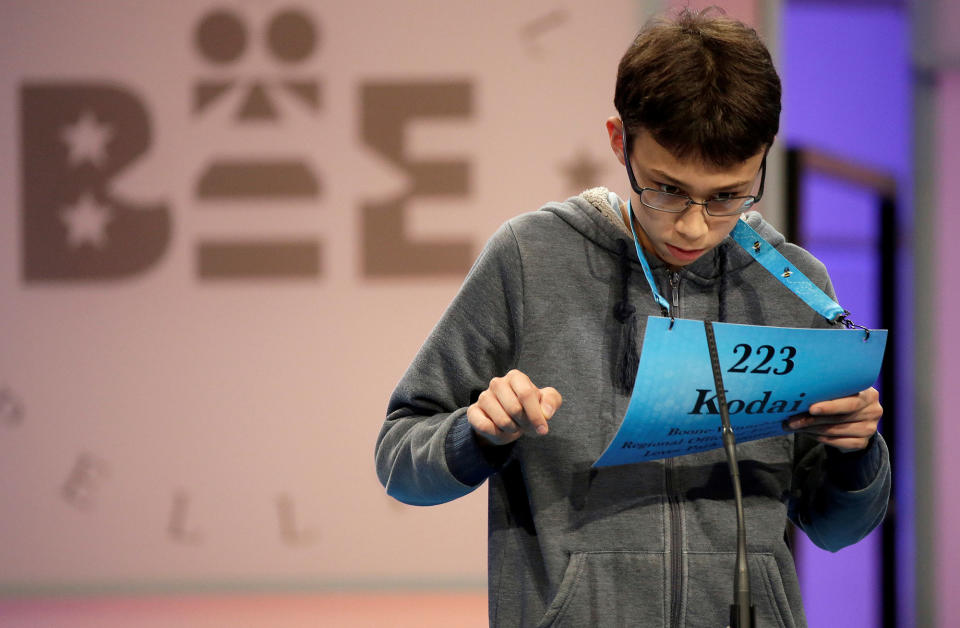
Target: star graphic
{"x": 582, "y": 172}
{"x": 87, "y": 139}
{"x": 86, "y": 222}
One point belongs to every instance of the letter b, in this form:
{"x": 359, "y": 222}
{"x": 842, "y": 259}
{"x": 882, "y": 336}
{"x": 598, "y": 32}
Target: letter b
{"x": 76, "y": 138}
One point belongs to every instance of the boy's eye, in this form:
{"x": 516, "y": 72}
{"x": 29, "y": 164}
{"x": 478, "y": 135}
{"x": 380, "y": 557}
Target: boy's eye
{"x": 724, "y": 196}
{"x": 669, "y": 189}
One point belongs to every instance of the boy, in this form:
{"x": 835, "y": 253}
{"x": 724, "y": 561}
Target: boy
{"x": 526, "y": 377}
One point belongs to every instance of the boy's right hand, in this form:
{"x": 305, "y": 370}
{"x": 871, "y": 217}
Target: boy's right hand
{"x": 512, "y": 406}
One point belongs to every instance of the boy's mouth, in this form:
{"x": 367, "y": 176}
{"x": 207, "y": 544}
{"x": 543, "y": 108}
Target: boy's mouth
{"x": 684, "y": 254}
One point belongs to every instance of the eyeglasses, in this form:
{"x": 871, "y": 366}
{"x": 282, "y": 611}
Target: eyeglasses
{"x": 678, "y": 203}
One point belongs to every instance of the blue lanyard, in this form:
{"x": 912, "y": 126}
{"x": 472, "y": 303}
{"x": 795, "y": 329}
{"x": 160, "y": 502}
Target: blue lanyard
{"x": 788, "y": 274}
{"x": 772, "y": 260}
{"x": 663, "y": 303}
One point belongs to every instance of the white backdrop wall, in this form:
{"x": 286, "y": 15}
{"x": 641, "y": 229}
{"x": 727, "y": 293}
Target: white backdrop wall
{"x": 226, "y": 229}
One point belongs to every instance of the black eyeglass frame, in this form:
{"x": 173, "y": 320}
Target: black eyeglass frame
{"x": 706, "y": 204}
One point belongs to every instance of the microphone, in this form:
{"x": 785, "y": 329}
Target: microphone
{"x": 742, "y": 612}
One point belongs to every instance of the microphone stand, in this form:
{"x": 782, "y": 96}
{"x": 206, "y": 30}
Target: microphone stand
{"x": 742, "y": 612}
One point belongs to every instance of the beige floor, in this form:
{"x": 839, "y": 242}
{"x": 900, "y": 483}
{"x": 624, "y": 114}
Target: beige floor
{"x": 333, "y": 610}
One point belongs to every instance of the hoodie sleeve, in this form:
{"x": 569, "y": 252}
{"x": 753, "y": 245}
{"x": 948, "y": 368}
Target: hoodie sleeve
{"x": 426, "y": 452}
{"x": 838, "y": 498}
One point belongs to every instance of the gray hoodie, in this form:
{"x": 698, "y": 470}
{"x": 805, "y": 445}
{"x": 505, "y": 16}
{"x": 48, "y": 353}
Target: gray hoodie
{"x": 559, "y": 294}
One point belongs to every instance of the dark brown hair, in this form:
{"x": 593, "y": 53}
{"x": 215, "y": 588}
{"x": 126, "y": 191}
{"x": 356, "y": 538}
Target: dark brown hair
{"x": 703, "y": 85}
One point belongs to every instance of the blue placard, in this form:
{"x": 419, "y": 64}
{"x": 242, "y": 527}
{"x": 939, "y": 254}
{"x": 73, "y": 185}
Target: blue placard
{"x": 769, "y": 374}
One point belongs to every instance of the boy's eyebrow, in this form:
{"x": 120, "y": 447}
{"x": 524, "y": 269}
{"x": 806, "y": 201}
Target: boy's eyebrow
{"x": 666, "y": 178}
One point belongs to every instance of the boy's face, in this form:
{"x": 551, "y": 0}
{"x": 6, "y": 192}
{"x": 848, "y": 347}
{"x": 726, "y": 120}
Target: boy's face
{"x": 681, "y": 238}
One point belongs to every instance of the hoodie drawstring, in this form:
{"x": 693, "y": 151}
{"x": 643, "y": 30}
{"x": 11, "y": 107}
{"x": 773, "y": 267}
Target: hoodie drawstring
{"x": 626, "y": 314}
{"x": 722, "y": 291}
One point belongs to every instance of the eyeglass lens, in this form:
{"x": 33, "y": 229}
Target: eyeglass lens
{"x": 665, "y": 201}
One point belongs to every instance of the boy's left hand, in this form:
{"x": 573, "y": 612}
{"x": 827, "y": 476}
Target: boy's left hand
{"x": 847, "y": 423}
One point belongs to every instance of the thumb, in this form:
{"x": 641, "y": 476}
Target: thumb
{"x": 550, "y": 401}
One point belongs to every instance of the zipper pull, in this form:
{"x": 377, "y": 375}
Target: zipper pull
{"x": 675, "y": 284}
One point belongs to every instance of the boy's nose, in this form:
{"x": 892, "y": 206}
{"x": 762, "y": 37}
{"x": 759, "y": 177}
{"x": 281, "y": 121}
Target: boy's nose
{"x": 692, "y": 222}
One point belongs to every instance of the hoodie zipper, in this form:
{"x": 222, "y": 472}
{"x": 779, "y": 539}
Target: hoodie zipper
{"x": 675, "y": 284}
{"x": 676, "y": 545}
{"x": 676, "y": 534}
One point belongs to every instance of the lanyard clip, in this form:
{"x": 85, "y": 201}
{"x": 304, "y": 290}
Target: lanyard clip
{"x": 844, "y": 320}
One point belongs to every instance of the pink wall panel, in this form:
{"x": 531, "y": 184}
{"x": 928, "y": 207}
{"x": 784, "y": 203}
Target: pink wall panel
{"x": 946, "y": 308}
{"x": 745, "y": 10}
{"x": 177, "y": 420}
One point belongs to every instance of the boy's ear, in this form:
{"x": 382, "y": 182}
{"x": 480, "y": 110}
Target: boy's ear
{"x": 615, "y": 131}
